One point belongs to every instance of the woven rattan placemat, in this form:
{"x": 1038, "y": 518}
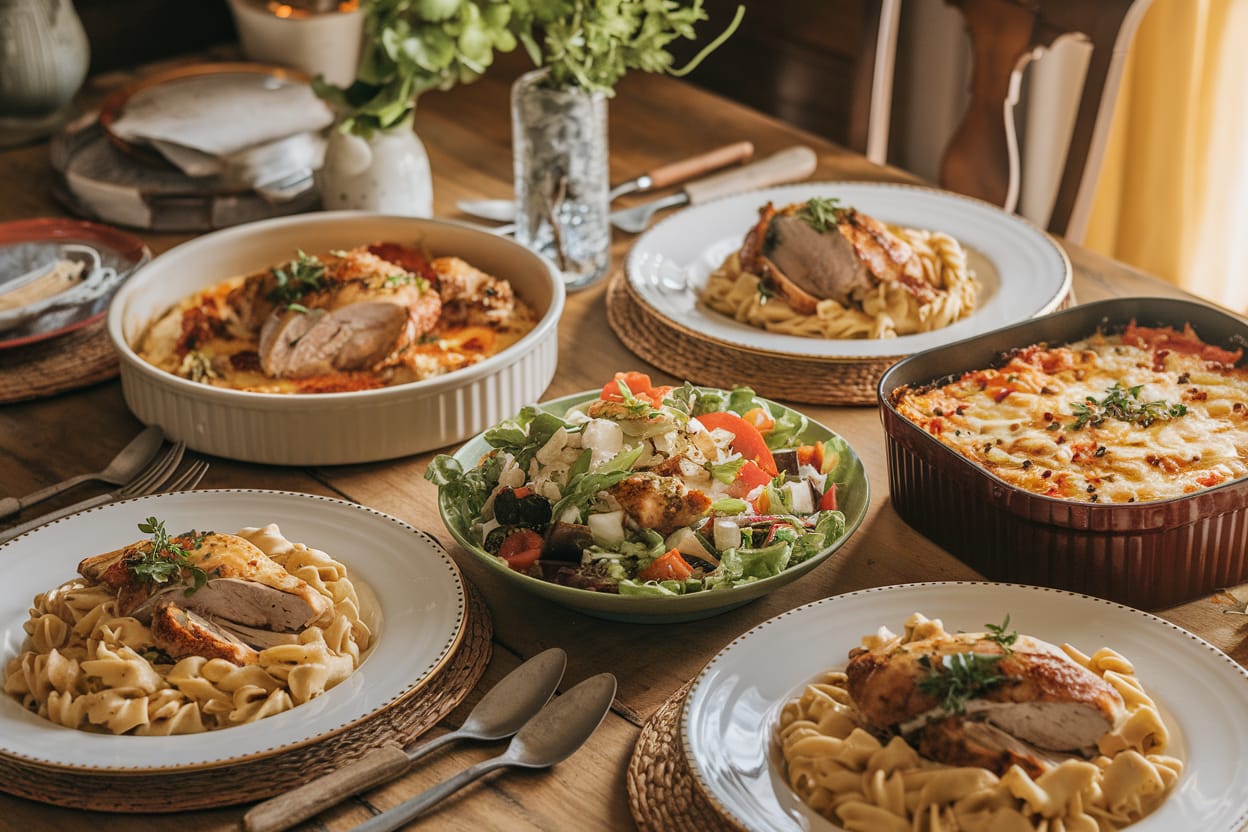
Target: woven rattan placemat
{"x": 690, "y": 355}
{"x": 84, "y": 356}
{"x": 268, "y": 776}
{"x": 661, "y": 790}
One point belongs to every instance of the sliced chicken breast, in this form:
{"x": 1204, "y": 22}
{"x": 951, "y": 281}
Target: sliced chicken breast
{"x": 181, "y": 633}
{"x": 362, "y": 310}
{"x": 1044, "y": 699}
{"x": 244, "y": 584}
{"x": 839, "y": 262}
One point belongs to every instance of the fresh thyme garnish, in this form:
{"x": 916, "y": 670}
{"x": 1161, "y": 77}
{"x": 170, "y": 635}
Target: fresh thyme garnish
{"x": 1123, "y": 404}
{"x": 297, "y": 307}
{"x": 821, "y": 214}
{"x": 164, "y": 560}
{"x": 298, "y": 277}
{"x": 1001, "y": 634}
{"x": 959, "y": 677}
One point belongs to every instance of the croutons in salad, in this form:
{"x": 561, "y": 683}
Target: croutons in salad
{"x": 650, "y": 490}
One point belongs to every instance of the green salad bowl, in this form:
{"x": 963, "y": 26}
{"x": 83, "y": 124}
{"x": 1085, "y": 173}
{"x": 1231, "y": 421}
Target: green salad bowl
{"x": 853, "y": 496}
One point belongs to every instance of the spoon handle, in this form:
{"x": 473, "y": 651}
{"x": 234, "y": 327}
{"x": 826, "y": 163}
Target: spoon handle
{"x": 410, "y": 808}
{"x": 420, "y": 751}
{"x": 315, "y": 796}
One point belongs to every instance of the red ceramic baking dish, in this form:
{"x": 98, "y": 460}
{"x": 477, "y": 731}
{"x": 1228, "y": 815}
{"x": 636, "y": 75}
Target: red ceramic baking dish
{"x": 1149, "y": 554}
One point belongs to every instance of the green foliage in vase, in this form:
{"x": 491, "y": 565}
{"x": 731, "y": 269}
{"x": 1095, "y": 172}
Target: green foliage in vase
{"x": 413, "y": 46}
{"x": 591, "y": 44}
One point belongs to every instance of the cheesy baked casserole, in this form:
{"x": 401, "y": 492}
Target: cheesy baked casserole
{"x": 1144, "y": 414}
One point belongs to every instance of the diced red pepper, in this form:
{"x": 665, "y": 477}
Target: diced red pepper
{"x": 671, "y": 566}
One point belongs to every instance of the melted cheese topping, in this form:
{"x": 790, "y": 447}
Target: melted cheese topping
{"x": 1040, "y": 421}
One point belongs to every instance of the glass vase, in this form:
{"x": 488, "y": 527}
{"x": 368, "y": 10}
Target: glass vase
{"x": 559, "y": 138}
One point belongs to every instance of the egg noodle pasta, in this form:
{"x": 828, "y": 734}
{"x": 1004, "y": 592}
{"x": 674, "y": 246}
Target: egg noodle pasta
{"x": 848, "y": 775}
{"x": 884, "y": 311}
{"x": 85, "y": 666}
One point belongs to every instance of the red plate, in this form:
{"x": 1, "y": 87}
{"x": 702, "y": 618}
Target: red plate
{"x": 20, "y": 244}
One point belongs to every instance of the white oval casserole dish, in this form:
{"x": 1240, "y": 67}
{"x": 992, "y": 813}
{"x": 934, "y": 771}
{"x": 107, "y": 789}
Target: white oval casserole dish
{"x": 333, "y": 428}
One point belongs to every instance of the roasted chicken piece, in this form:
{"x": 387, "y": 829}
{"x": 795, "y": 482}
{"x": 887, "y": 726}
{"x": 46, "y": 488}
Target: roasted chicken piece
{"x": 470, "y": 297}
{"x": 244, "y": 584}
{"x": 349, "y": 310}
{"x": 664, "y": 504}
{"x": 1032, "y": 697}
{"x": 181, "y": 633}
{"x": 811, "y": 252}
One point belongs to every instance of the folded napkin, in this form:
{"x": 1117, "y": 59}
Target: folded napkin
{"x": 245, "y": 127}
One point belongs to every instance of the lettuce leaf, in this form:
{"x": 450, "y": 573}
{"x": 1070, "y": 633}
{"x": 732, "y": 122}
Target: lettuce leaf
{"x": 526, "y": 434}
{"x": 582, "y": 488}
{"x": 463, "y": 493}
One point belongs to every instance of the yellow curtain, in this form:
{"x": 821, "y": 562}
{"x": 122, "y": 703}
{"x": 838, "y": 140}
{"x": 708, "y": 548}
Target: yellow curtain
{"x": 1172, "y": 198}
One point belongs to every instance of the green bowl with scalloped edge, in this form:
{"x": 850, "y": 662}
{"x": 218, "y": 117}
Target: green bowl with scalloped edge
{"x": 853, "y": 496}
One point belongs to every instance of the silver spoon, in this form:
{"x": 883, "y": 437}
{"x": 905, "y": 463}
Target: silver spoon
{"x": 548, "y": 738}
{"x": 132, "y": 459}
{"x": 500, "y": 713}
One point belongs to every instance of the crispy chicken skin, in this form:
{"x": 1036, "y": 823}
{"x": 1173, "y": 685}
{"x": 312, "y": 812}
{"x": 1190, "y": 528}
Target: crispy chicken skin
{"x": 660, "y": 503}
{"x": 1046, "y": 700}
{"x": 244, "y": 584}
{"x": 839, "y": 263}
{"x": 470, "y": 296}
{"x": 181, "y": 633}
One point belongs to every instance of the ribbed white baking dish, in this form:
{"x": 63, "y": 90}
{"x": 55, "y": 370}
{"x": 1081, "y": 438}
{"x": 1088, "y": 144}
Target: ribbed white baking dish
{"x": 333, "y": 428}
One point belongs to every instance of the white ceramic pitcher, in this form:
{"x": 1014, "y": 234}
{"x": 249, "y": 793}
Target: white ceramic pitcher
{"x": 387, "y": 172}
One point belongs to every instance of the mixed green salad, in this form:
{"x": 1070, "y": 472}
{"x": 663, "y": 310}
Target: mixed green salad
{"x": 650, "y": 490}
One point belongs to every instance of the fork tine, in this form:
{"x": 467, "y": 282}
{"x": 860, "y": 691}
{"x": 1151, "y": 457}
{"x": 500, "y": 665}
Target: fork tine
{"x": 189, "y": 478}
{"x": 155, "y": 473}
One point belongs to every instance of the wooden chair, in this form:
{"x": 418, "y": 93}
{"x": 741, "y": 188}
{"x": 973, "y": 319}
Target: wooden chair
{"x": 982, "y": 158}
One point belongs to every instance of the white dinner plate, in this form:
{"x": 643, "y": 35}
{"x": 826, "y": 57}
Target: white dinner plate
{"x": 732, "y": 711}
{"x": 1022, "y": 271}
{"x": 417, "y": 586}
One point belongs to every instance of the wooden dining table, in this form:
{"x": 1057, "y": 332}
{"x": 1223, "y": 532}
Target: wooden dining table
{"x": 467, "y": 132}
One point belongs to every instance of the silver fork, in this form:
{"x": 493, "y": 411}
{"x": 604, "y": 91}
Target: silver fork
{"x": 189, "y": 478}
{"x": 153, "y": 477}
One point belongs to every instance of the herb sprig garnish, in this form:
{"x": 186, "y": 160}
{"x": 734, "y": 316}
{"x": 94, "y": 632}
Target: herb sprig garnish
{"x": 1002, "y": 634}
{"x": 1123, "y": 404}
{"x": 821, "y": 213}
{"x": 306, "y": 273}
{"x": 960, "y": 677}
{"x": 164, "y": 560}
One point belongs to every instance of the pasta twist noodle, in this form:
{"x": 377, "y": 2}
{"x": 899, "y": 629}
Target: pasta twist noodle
{"x": 85, "y": 666}
{"x": 884, "y": 311}
{"x": 845, "y": 774}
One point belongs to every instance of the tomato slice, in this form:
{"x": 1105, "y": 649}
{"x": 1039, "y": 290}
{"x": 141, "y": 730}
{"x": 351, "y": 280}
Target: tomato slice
{"x": 828, "y": 501}
{"x": 749, "y": 477}
{"x": 521, "y": 549}
{"x": 746, "y": 440}
{"x": 670, "y": 566}
{"x": 637, "y": 383}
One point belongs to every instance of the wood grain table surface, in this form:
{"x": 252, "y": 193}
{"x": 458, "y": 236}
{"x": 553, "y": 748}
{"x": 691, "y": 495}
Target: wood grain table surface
{"x": 467, "y": 132}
